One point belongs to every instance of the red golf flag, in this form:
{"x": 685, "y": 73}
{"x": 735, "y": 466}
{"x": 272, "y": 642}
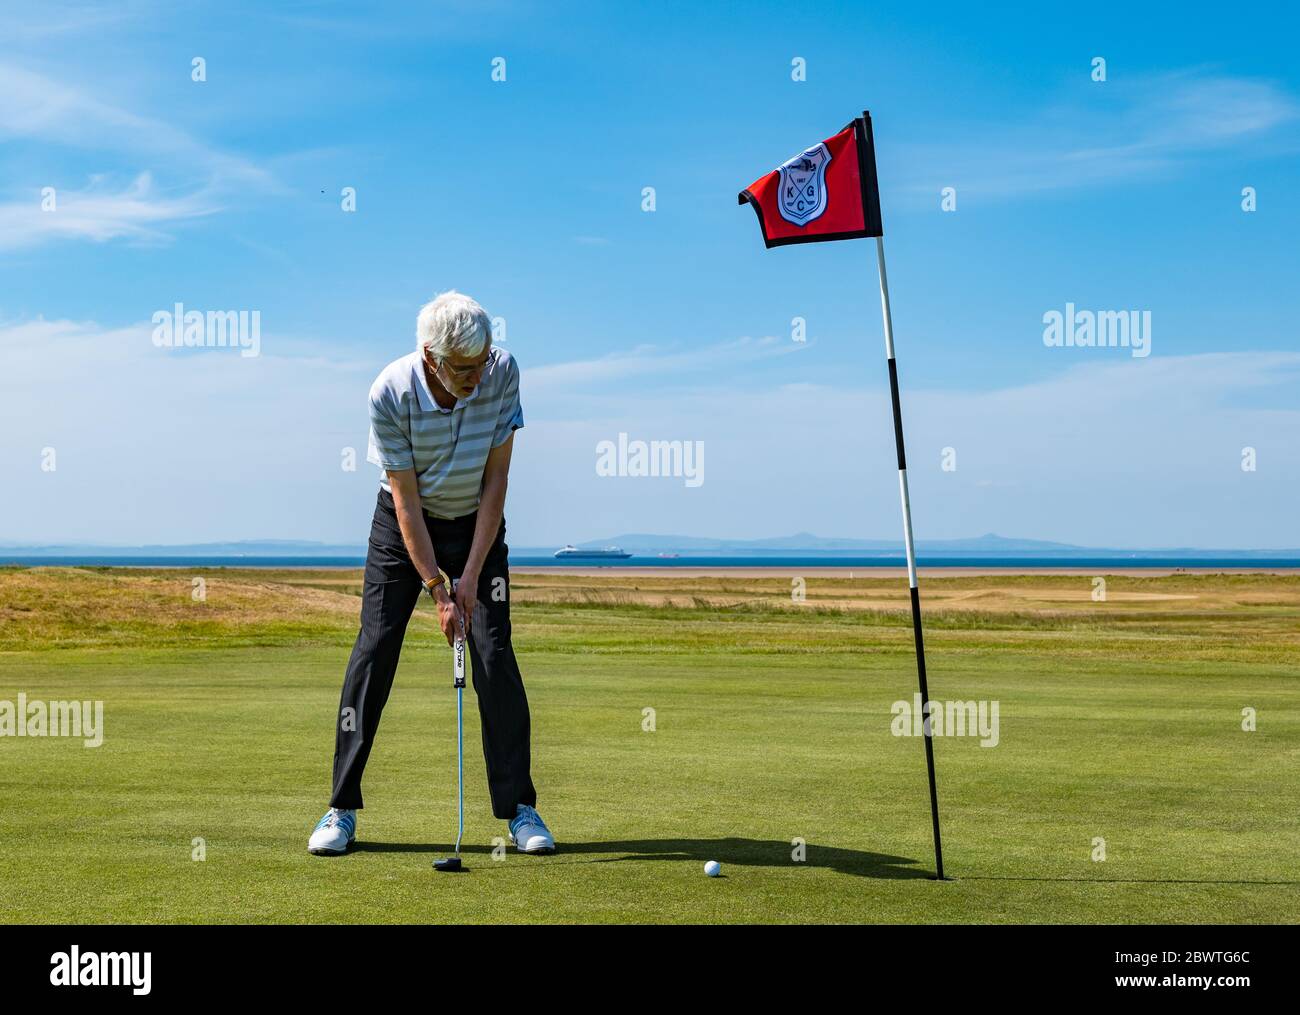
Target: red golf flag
{"x": 829, "y": 192}
{"x": 826, "y": 192}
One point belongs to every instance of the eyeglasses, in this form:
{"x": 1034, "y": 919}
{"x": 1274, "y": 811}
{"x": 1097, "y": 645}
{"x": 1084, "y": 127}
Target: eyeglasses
{"x": 464, "y": 373}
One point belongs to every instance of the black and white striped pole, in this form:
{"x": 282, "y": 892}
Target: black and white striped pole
{"x": 911, "y": 551}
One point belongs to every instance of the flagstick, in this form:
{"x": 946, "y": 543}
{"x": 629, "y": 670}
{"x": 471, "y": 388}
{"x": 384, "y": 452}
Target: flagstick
{"x": 911, "y": 553}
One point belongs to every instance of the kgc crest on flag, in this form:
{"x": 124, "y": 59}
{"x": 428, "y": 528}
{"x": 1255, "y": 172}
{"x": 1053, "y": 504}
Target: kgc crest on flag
{"x": 829, "y": 192}
{"x": 826, "y": 192}
{"x": 802, "y": 188}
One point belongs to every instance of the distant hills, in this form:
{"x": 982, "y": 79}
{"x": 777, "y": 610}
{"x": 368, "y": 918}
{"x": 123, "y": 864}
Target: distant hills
{"x": 806, "y": 542}
{"x": 988, "y": 545}
{"x": 642, "y": 544}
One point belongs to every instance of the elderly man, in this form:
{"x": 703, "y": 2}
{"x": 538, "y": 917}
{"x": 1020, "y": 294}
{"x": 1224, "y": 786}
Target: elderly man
{"x": 442, "y": 421}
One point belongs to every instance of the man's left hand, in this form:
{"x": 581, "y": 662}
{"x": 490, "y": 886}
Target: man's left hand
{"x": 467, "y": 596}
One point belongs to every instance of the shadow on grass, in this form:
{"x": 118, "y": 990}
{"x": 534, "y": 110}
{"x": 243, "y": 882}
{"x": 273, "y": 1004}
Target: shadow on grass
{"x": 739, "y": 852}
{"x": 1125, "y": 881}
{"x": 764, "y": 853}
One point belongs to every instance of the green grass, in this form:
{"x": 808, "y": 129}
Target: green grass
{"x": 1116, "y": 721}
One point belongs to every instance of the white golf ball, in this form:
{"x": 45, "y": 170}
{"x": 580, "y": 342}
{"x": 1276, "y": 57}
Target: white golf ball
{"x": 713, "y": 868}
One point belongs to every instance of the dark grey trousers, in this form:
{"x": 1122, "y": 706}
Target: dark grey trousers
{"x": 392, "y": 587}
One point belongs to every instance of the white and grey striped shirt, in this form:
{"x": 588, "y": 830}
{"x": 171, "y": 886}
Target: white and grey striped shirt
{"x": 448, "y": 448}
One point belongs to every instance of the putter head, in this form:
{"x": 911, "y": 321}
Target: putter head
{"x": 449, "y": 863}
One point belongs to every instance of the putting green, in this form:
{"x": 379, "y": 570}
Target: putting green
{"x": 1117, "y": 721}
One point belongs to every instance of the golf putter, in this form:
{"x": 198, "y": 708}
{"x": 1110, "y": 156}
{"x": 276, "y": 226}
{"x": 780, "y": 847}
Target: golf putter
{"x": 452, "y": 863}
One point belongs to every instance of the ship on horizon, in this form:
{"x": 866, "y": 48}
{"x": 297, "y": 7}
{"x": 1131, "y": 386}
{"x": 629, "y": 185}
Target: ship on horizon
{"x": 571, "y": 552}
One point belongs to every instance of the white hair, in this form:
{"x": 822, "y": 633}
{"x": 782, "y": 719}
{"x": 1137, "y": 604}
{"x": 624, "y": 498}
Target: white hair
{"x": 453, "y": 323}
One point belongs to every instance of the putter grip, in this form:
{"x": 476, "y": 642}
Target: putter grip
{"x": 458, "y": 646}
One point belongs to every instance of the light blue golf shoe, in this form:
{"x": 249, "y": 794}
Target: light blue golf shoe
{"x": 529, "y": 833}
{"x": 335, "y": 833}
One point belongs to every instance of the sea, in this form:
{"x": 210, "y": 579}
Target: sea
{"x": 1009, "y": 563}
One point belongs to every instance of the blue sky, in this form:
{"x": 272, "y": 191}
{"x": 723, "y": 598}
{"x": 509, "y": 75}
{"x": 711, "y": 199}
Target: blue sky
{"x": 671, "y": 324}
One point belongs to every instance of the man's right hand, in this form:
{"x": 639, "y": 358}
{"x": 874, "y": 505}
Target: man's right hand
{"x": 415, "y": 534}
{"x": 448, "y": 615}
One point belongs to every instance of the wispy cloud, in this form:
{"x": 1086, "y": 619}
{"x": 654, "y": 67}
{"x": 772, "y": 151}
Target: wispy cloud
{"x": 99, "y": 213}
{"x": 1133, "y": 453}
{"x": 646, "y": 361}
{"x": 203, "y": 405}
{"x": 54, "y": 18}
{"x": 37, "y": 108}
{"x": 1117, "y": 130}
{"x": 41, "y": 108}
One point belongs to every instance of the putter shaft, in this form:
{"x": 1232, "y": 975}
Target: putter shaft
{"x": 453, "y": 863}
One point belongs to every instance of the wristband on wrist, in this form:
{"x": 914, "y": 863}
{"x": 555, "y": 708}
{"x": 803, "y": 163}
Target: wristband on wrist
{"x": 432, "y": 584}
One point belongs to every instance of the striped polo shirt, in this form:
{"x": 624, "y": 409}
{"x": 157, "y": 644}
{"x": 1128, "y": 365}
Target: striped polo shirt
{"x": 448, "y": 448}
